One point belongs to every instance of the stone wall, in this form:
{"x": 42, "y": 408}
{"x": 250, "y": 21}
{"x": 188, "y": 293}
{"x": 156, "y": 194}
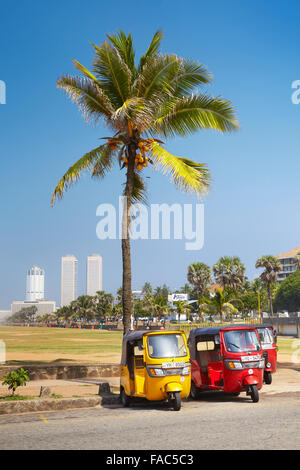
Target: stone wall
{"x": 65, "y": 371}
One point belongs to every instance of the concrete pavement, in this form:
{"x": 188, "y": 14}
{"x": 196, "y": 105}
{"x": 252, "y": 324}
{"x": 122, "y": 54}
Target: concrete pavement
{"x": 215, "y": 422}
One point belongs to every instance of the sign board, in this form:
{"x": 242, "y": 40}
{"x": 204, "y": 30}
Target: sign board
{"x": 176, "y": 297}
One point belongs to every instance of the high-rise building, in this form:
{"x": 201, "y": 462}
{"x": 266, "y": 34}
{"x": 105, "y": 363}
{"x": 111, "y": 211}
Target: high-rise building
{"x": 93, "y": 274}
{"x": 288, "y": 265}
{"x": 35, "y": 284}
{"x": 68, "y": 279}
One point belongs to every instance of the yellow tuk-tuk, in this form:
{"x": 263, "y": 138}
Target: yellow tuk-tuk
{"x": 155, "y": 365}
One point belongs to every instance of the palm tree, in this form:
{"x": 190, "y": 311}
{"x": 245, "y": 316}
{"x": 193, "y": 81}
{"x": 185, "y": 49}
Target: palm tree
{"x": 182, "y": 308}
{"x": 103, "y": 305}
{"x": 65, "y": 313}
{"x": 159, "y": 306}
{"x": 220, "y": 303}
{"x": 147, "y": 288}
{"x": 142, "y": 103}
{"x": 83, "y": 307}
{"x": 229, "y": 272}
{"x": 199, "y": 275}
{"x": 271, "y": 266}
{"x": 162, "y": 291}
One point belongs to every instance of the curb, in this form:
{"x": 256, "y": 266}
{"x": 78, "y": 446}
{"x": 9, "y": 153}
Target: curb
{"x": 55, "y": 404}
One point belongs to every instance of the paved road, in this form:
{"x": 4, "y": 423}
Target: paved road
{"x": 215, "y": 422}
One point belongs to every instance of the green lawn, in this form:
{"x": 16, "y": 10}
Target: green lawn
{"x": 44, "y": 345}
{"x": 285, "y": 345}
{"x": 35, "y": 345}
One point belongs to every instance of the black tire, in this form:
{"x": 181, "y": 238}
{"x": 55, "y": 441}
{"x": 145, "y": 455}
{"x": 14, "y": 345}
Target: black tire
{"x": 268, "y": 377}
{"x": 194, "y": 394}
{"x": 177, "y": 401}
{"x": 254, "y": 393}
{"x": 125, "y": 400}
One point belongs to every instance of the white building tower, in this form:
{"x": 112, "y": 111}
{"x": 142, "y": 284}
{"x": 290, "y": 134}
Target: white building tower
{"x": 93, "y": 274}
{"x": 35, "y": 284}
{"x": 68, "y": 279}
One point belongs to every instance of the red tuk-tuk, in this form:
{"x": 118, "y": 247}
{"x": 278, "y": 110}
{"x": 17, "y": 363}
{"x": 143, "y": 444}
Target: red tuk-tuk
{"x": 228, "y": 358}
{"x": 268, "y": 340}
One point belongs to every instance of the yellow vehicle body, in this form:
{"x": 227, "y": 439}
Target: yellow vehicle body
{"x": 139, "y": 368}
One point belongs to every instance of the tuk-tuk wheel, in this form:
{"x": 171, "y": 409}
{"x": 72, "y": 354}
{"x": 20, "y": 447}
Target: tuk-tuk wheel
{"x": 254, "y": 393}
{"x": 268, "y": 377}
{"x": 125, "y": 400}
{"x": 175, "y": 400}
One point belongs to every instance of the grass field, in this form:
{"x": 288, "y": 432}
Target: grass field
{"x": 44, "y": 345}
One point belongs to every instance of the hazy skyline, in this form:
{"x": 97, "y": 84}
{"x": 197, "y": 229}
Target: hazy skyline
{"x": 252, "y": 207}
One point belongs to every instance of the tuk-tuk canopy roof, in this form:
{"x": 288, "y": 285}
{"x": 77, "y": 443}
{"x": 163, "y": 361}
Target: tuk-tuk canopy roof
{"x": 215, "y": 330}
{"x": 135, "y": 335}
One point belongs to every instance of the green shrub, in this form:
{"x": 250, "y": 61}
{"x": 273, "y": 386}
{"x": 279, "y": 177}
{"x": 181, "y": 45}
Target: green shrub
{"x": 15, "y": 379}
{"x": 288, "y": 294}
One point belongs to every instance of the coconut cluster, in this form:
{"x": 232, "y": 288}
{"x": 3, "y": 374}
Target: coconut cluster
{"x": 141, "y": 160}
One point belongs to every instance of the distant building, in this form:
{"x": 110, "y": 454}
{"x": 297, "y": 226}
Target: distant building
{"x": 69, "y": 267}
{"x": 35, "y": 284}
{"x": 287, "y": 261}
{"x": 35, "y": 294}
{"x": 138, "y": 294}
{"x": 43, "y": 306}
{"x": 93, "y": 274}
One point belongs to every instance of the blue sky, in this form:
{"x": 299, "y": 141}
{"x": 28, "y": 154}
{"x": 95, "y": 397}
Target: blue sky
{"x": 252, "y": 49}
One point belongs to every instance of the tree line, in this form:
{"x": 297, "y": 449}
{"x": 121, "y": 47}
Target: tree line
{"x": 222, "y": 290}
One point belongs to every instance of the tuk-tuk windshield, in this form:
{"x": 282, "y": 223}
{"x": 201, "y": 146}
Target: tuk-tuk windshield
{"x": 266, "y": 336}
{"x": 166, "y": 345}
{"x": 241, "y": 341}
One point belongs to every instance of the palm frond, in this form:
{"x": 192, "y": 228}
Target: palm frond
{"x": 87, "y": 162}
{"x": 105, "y": 162}
{"x": 191, "y": 114}
{"x": 153, "y": 48}
{"x": 113, "y": 72}
{"x": 86, "y": 72}
{"x": 125, "y": 48}
{"x": 186, "y": 174}
{"x": 152, "y": 80}
{"x": 90, "y": 99}
{"x": 139, "y": 193}
{"x": 128, "y": 111}
{"x": 188, "y": 75}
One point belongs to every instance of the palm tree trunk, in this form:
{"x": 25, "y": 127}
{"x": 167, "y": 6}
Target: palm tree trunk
{"x": 126, "y": 256}
{"x": 270, "y": 300}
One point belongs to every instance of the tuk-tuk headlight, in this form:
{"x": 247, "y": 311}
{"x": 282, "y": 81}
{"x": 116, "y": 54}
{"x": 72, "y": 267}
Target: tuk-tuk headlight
{"x": 186, "y": 370}
{"x": 158, "y": 372}
{"x": 234, "y": 365}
